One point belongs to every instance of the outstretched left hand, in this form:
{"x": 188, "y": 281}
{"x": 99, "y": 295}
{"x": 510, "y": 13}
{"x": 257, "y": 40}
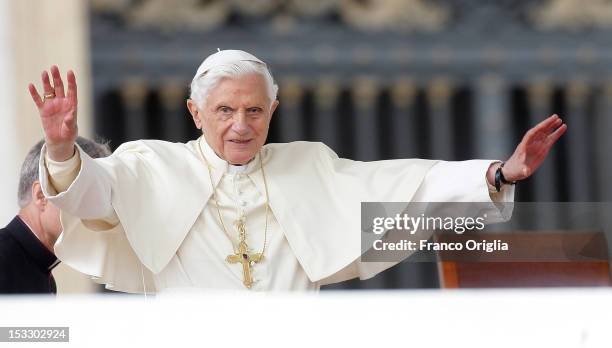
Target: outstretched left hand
{"x": 533, "y": 149}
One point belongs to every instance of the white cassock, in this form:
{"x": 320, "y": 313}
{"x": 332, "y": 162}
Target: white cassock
{"x": 143, "y": 219}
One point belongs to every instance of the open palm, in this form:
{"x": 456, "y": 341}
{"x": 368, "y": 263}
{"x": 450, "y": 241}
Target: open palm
{"x": 533, "y": 149}
{"x": 58, "y": 110}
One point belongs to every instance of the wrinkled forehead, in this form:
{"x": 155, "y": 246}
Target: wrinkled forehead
{"x": 248, "y": 88}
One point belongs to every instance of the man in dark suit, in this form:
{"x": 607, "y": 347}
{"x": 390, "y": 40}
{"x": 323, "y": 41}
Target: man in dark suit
{"x": 26, "y": 243}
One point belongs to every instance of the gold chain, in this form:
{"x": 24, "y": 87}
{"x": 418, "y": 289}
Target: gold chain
{"x": 214, "y": 193}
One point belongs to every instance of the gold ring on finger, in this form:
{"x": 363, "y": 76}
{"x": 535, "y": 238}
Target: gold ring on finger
{"x": 48, "y": 96}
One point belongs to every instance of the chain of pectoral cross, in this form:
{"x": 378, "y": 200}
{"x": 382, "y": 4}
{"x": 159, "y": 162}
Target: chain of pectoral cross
{"x": 241, "y": 255}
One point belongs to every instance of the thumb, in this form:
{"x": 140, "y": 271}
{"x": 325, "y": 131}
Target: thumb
{"x": 70, "y": 122}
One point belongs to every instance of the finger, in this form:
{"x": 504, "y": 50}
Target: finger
{"x": 544, "y": 128}
{"x": 47, "y": 89}
{"x": 557, "y": 134}
{"x": 546, "y": 123}
{"x": 553, "y": 126}
{"x": 35, "y": 96}
{"x": 58, "y": 84}
{"x": 72, "y": 85}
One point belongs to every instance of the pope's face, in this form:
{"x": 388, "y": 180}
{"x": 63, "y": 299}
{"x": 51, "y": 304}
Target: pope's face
{"x": 236, "y": 117}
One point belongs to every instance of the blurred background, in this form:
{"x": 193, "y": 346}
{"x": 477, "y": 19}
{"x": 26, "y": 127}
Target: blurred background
{"x": 373, "y": 79}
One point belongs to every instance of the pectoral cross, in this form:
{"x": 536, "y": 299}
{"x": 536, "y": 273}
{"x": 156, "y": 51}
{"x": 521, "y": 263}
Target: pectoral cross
{"x": 243, "y": 256}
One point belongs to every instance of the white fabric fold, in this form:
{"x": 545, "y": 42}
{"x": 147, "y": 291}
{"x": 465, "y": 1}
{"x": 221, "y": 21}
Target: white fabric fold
{"x": 155, "y": 190}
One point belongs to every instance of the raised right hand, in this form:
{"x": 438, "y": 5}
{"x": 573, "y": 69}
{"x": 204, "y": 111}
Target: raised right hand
{"x": 58, "y": 113}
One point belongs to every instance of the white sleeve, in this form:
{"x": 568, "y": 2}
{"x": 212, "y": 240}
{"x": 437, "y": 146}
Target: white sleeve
{"x": 446, "y": 183}
{"x": 93, "y": 240}
{"x": 465, "y": 181}
{"x": 89, "y": 194}
{"x": 62, "y": 174}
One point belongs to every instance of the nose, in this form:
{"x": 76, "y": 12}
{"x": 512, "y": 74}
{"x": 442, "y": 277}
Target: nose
{"x": 240, "y": 124}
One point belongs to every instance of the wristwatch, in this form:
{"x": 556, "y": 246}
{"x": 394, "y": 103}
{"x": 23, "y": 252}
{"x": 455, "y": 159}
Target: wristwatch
{"x": 500, "y": 179}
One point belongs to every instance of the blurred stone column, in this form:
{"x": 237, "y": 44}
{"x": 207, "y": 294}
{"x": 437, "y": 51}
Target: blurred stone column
{"x": 172, "y": 97}
{"x": 403, "y": 132}
{"x": 577, "y": 93}
{"x": 441, "y": 126}
{"x": 12, "y": 151}
{"x": 367, "y": 135}
{"x": 45, "y": 33}
{"x": 603, "y": 158}
{"x": 603, "y": 145}
{"x": 37, "y": 34}
{"x": 493, "y": 128}
{"x": 545, "y": 180}
{"x": 133, "y": 96}
{"x": 291, "y": 120}
{"x": 326, "y": 114}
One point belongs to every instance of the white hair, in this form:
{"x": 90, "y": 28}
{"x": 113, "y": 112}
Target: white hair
{"x": 202, "y": 85}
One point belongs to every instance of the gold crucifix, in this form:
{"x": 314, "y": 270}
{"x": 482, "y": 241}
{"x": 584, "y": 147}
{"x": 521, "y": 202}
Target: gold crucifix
{"x": 243, "y": 256}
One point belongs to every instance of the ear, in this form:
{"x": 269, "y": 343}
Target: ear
{"x": 195, "y": 114}
{"x": 38, "y": 197}
{"x": 273, "y": 107}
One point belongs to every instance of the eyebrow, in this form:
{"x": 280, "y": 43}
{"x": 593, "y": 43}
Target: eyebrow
{"x": 225, "y": 104}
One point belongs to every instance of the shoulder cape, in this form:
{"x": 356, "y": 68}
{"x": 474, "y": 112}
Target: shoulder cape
{"x": 314, "y": 195}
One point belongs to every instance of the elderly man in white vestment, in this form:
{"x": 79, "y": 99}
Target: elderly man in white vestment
{"x": 226, "y": 211}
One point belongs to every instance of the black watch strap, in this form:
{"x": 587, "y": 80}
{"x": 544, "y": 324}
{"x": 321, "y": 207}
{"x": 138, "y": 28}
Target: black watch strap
{"x": 500, "y": 179}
